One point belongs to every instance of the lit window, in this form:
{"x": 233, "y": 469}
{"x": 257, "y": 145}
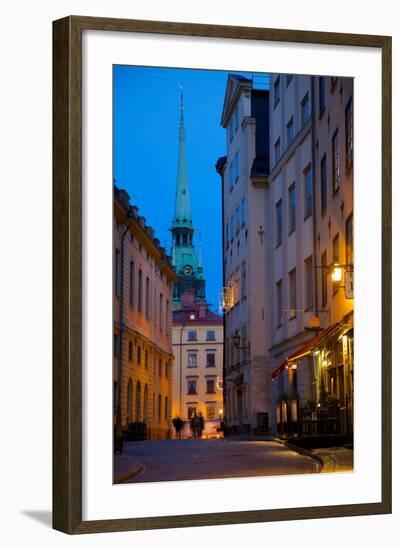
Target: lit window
{"x": 192, "y": 359}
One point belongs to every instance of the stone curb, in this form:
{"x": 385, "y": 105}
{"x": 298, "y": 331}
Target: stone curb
{"x": 304, "y": 452}
{"x": 133, "y": 472}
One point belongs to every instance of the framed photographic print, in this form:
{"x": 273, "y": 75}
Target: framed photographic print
{"x": 222, "y": 275}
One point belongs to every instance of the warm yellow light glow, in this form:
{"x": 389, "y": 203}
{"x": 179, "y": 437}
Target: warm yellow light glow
{"x": 220, "y": 411}
{"x": 324, "y": 363}
{"x": 337, "y": 274}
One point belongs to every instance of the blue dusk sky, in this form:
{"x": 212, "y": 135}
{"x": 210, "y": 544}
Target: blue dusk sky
{"x": 146, "y": 123}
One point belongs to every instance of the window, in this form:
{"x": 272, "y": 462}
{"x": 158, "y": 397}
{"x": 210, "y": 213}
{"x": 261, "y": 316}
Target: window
{"x": 308, "y": 266}
{"x": 305, "y": 110}
{"x": 140, "y": 290}
{"x": 231, "y": 130}
{"x": 166, "y": 408}
{"x": 231, "y": 175}
{"x": 236, "y": 118}
{"x": 191, "y": 412}
{"x": 210, "y": 412}
{"x": 210, "y": 359}
{"x": 192, "y": 359}
{"x": 279, "y": 223}
{"x": 166, "y": 371}
{"x": 348, "y": 133}
{"x": 243, "y": 211}
{"x": 167, "y": 316}
{"x": 161, "y": 311}
{"x": 322, "y": 94}
{"x": 130, "y": 352}
{"x": 349, "y": 241}
{"x": 276, "y": 91}
{"x": 277, "y": 151}
{"x": 288, "y": 79}
{"x": 159, "y": 407}
{"x": 138, "y": 402}
{"x": 308, "y": 192}
{"x": 290, "y": 131}
{"x": 336, "y": 259}
{"x": 210, "y": 335}
{"x": 236, "y": 166}
{"x": 192, "y": 336}
{"x": 184, "y": 239}
{"x": 139, "y": 356}
{"x": 146, "y": 359}
{"x": 129, "y": 399}
{"x": 291, "y": 209}
{"x": 279, "y": 303}
{"x": 243, "y": 280}
{"x": 335, "y": 151}
{"x": 232, "y": 228}
{"x": 191, "y": 388}
{"x": 160, "y": 368}
{"x": 236, "y": 287}
{"x": 324, "y": 278}
{"x": 323, "y": 184}
{"x": 292, "y": 285}
{"x": 131, "y": 283}
{"x": 116, "y": 345}
{"x": 147, "y": 297}
{"x": 210, "y": 386}
{"x": 117, "y": 262}
{"x": 237, "y": 220}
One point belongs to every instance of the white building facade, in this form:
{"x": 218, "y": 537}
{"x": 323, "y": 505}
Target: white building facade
{"x": 244, "y": 180}
{"x": 198, "y": 364}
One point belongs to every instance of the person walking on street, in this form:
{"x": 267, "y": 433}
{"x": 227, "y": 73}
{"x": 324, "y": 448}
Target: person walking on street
{"x": 195, "y": 425}
{"x": 201, "y": 424}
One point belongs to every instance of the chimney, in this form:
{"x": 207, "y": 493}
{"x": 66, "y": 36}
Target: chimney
{"x": 202, "y": 309}
{"x": 188, "y": 300}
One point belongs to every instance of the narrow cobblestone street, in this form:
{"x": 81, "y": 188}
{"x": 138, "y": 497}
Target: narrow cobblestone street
{"x": 173, "y": 460}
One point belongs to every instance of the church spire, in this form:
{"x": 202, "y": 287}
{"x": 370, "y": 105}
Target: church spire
{"x": 182, "y": 214}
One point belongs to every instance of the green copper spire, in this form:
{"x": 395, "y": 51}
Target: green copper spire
{"x": 186, "y": 262}
{"x": 182, "y": 214}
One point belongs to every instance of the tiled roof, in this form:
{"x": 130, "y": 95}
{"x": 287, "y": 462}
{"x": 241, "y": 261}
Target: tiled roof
{"x": 184, "y": 316}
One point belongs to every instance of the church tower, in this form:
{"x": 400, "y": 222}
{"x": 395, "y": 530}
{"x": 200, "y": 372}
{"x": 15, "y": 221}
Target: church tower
{"x": 186, "y": 261}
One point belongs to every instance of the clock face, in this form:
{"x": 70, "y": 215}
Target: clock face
{"x": 187, "y": 270}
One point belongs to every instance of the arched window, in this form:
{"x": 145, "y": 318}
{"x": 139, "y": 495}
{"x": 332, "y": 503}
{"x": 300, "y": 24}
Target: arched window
{"x": 138, "y": 402}
{"x": 129, "y": 400}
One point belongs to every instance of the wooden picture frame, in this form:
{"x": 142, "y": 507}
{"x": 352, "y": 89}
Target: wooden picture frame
{"x": 67, "y": 273}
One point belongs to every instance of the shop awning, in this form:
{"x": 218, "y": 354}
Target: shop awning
{"x": 308, "y": 347}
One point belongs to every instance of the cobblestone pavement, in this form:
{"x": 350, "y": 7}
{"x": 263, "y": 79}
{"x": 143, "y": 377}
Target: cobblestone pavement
{"x": 173, "y": 460}
{"x": 336, "y": 459}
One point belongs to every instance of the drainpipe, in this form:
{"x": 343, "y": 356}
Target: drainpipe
{"x": 181, "y": 332}
{"x": 220, "y": 167}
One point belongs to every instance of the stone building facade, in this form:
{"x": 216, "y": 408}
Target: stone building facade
{"x": 142, "y": 313}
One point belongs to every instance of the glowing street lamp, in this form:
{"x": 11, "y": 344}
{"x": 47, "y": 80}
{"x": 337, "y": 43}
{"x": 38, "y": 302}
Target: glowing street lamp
{"x": 336, "y": 273}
